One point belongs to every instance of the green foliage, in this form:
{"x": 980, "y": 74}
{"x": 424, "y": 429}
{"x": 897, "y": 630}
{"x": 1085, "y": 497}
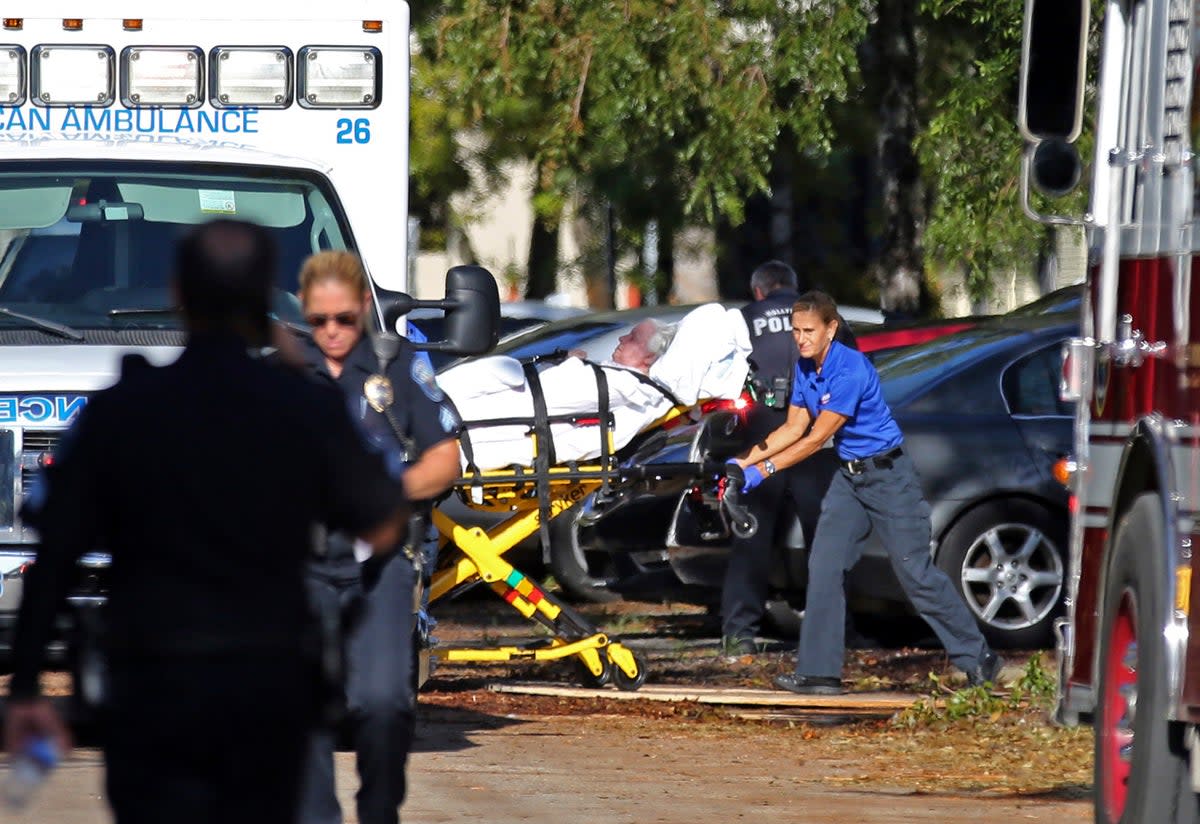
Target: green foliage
{"x": 1033, "y": 691}
{"x": 970, "y": 149}
{"x": 676, "y": 105}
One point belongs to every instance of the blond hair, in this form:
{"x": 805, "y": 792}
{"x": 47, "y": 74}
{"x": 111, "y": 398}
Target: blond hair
{"x": 337, "y": 265}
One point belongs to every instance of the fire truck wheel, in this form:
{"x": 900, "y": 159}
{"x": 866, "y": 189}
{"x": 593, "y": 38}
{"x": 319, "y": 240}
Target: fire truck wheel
{"x": 581, "y": 575}
{"x": 1141, "y": 768}
{"x": 1006, "y": 559}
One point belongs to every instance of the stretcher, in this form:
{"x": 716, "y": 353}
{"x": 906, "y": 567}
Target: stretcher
{"x": 529, "y": 497}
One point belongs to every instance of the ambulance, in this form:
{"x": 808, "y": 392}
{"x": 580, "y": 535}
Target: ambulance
{"x": 122, "y": 129}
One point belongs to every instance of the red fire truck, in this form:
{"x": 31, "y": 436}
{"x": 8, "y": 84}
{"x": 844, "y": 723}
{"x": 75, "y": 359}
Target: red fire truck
{"x": 1129, "y": 648}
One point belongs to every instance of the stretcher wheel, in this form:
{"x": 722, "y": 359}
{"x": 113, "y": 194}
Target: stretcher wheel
{"x": 590, "y": 679}
{"x": 744, "y": 528}
{"x": 623, "y": 681}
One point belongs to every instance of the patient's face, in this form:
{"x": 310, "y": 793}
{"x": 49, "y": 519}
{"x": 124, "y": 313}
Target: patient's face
{"x": 632, "y": 347}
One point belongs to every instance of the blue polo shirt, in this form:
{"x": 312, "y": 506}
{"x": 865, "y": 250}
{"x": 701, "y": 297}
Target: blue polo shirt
{"x": 848, "y": 385}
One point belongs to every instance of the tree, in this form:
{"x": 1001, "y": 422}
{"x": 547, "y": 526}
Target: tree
{"x": 970, "y": 148}
{"x": 665, "y": 108}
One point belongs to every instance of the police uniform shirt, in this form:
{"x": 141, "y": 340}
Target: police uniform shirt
{"x": 420, "y": 409}
{"x": 769, "y": 320}
{"x": 848, "y": 385}
{"x": 203, "y": 479}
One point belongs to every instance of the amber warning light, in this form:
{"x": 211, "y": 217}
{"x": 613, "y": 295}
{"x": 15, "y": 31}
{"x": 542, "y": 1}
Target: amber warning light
{"x": 13, "y": 23}
{"x": 1063, "y": 470}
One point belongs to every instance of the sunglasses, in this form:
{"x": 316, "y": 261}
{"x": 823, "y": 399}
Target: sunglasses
{"x": 341, "y": 319}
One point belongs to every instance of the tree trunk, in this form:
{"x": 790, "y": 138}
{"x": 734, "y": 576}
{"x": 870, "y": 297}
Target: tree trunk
{"x": 543, "y": 259}
{"x": 899, "y": 267}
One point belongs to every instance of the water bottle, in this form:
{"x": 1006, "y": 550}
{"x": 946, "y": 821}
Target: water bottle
{"x": 29, "y": 770}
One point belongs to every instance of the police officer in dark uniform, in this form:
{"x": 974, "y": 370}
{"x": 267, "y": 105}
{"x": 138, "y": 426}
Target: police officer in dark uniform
{"x": 420, "y": 427}
{"x": 836, "y": 394}
{"x": 204, "y": 479}
{"x": 769, "y": 319}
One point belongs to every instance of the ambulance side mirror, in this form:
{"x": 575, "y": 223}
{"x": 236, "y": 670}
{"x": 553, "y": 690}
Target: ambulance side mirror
{"x": 472, "y": 307}
{"x": 473, "y": 322}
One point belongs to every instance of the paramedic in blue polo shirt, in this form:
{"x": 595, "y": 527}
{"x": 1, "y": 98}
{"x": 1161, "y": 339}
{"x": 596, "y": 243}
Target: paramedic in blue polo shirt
{"x": 836, "y": 394}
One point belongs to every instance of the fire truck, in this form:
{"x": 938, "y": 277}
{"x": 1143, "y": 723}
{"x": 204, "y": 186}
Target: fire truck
{"x": 123, "y": 128}
{"x": 1129, "y": 645}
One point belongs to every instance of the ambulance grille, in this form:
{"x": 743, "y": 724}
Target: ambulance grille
{"x": 34, "y": 443}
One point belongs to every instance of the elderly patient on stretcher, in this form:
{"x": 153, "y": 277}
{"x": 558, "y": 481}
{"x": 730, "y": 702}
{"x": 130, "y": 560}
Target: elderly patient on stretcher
{"x": 654, "y": 368}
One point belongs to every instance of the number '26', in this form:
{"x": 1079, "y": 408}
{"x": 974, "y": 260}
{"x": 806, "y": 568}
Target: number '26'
{"x": 354, "y": 131}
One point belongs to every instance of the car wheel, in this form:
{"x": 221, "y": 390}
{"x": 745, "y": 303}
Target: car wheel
{"x": 581, "y": 575}
{"x": 1006, "y": 559}
{"x": 1141, "y": 760}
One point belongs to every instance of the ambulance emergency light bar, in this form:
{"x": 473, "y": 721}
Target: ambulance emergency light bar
{"x": 260, "y": 77}
{"x": 62, "y": 75}
{"x": 12, "y": 75}
{"x": 162, "y": 76}
{"x": 324, "y": 77}
{"x": 339, "y": 77}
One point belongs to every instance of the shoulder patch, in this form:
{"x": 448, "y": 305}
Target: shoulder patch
{"x": 423, "y": 377}
{"x": 448, "y": 419}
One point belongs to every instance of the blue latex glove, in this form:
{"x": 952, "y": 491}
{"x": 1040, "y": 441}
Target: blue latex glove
{"x": 754, "y": 477}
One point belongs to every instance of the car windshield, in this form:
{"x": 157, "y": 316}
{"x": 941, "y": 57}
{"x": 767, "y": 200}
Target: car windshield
{"x": 905, "y": 371}
{"x": 90, "y": 246}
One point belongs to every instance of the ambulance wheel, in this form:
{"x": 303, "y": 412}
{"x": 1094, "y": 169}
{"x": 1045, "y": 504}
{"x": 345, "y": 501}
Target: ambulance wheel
{"x": 1141, "y": 761}
{"x": 623, "y": 681}
{"x": 591, "y": 680}
{"x": 582, "y": 575}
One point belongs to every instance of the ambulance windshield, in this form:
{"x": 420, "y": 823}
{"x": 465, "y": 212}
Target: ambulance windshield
{"x": 91, "y": 246}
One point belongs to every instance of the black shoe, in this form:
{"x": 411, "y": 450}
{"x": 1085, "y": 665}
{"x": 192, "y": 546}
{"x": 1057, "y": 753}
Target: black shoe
{"x": 737, "y": 646}
{"x": 809, "y": 684}
{"x": 986, "y": 671}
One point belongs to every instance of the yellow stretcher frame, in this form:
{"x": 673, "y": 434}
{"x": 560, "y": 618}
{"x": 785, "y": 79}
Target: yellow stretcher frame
{"x": 480, "y": 556}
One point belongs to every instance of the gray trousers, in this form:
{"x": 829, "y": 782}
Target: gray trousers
{"x": 890, "y": 502}
{"x": 747, "y": 578}
{"x": 380, "y": 700}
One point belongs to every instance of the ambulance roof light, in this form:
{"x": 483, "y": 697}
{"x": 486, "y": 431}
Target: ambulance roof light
{"x": 12, "y": 75}
{"x": 259, "y": 76}
{"x": 170, "y": 76}
{"x": 72, "y": 75}
{"x": 73, "y": 24}
{"x": 131, "y": 24}
{"x": 373, "y": 26}
{"x": 14, "y": 23}
{"x": 339, "y": 77}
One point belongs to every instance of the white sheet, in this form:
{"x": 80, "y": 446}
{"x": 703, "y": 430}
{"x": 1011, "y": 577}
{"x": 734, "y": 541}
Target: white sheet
{"x": 707, "y": 359}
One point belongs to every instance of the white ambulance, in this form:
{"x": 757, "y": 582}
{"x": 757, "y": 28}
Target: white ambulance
{"x": 121, "y": 129}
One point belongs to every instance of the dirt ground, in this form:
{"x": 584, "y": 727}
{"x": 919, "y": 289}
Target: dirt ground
{"x": 510, "y": 757}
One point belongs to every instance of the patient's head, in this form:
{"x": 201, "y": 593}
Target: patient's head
{"x": 641, "y": 345}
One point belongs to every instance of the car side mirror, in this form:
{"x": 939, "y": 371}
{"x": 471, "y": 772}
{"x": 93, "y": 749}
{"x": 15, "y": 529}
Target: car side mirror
{"x": 472, "y": 306}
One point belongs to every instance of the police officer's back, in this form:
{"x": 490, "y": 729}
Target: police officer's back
{"x": 204, "y": 480}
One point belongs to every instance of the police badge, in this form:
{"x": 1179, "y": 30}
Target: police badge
{"x": 378, "y": 392}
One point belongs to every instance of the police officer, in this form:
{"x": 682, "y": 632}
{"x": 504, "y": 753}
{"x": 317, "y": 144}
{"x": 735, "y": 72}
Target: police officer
{"x": 204, "y": 480}
{"x": 769, "y": 319}
{"x": 836, "y": 394}
{"x": 377, "y": 597}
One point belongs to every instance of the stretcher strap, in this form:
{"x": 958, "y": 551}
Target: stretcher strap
{"x": 605, "y": 421}
{"x": 544, "y": 456}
